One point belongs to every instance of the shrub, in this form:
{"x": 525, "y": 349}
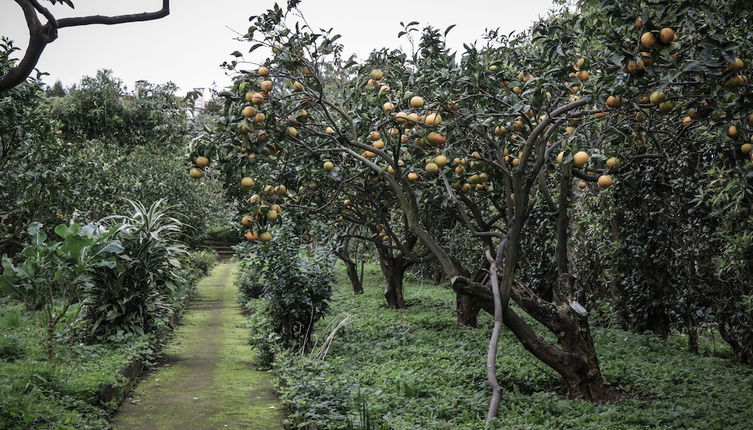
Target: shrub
{"x": 296, "y": 287}
{"x": 145, "y": 284}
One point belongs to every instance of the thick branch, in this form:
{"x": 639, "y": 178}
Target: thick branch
{"x": 119, "y": 19}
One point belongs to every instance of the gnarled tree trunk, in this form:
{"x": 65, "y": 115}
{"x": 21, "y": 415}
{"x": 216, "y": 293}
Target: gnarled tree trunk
{"x": 394, "y": 271}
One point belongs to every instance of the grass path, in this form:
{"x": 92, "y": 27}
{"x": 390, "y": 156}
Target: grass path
{"x": 207, "y": 381}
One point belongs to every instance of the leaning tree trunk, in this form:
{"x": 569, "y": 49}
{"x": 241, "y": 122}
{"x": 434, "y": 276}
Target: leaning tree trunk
{"x": 468, "y": 308}
{"x": 394, "y": 271}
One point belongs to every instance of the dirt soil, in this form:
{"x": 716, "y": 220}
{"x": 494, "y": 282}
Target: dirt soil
{"x": 206, "y": 381}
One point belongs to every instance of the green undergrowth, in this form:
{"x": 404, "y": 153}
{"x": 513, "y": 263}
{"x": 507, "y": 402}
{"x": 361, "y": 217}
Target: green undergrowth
{"x": 84, "y": 387}
{"x": 416, "y": 369}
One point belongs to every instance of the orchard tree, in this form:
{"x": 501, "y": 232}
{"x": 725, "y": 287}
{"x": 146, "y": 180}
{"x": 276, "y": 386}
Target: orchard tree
{"x": 518, "y": 124}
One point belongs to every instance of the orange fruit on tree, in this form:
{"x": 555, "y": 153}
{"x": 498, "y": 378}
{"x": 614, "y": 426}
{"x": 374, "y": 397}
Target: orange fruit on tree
{"x": 376, "y": 74}
{"x": 195, "y": 173}
{"x": 613, "y": 163}
{"x": 648, "y": 40}
{"x": 202, "y": 161}
{"x": 613, "y": 101}
{"x": 249, "y": 111}
{"x": 604, "y": 181}
{"x": 329, "y": 130}
{"x": 433, "y": 119}
{"x": 416, "y": 101}
{"x": 580, "y": 158}
{"x": 257, "y": 98}
{"x": 413, "y": 176}
{"x": 262, "y": 71}
{"x": 328, "y": 165}
{"x": 265, "y": 236}
{"x": 247, "y": 182}
{"x": 266, "y": 86}
{"x": 666, "y": 35}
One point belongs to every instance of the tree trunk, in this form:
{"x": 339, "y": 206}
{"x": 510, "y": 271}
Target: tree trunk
{"x": 576, "y": 362}
{"x": 393, "y": 270}
{"x": 355, "y": 280}
{"x": 468, "y": 308}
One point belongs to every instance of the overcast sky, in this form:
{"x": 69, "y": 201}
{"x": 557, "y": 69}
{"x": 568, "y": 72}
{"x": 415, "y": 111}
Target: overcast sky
{"x": 188, "y": 46}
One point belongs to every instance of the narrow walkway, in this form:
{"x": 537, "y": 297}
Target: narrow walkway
{"x": 207, "y": 381}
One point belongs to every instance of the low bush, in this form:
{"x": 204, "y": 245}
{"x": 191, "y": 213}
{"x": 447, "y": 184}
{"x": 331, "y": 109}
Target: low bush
{"x": 295, "y": 287}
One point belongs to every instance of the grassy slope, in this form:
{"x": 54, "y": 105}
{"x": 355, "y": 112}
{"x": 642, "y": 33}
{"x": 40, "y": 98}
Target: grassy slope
{"x": 416, "y": 369}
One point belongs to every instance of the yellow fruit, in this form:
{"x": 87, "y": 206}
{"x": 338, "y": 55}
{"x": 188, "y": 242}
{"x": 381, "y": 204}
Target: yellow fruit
{"x": 376, "y": 74}
{"x": 459, "y": 170}
{"x": 262, "y": 71}
{"x": 500, "y": 130}
{"x": 292, "y": 132}
{"x": 560, "y": 156}
{"x": 613, "y": 101}
{"x": 401, "y": 118}
{"x": 666, "y": 35}
{"x": 657, "y": 97}
{"x": 272, "y": 215}
{"x": 413, "y": 118}
{"x": 517, "y": 90}
{"x": 257, "y": 98}
{"x": 686, "y": 121}
{"x": 638, "y": 23}
{"x": 604, "y": 181}
{"x": 372, "y": 84}
{"x": 582, "y": 185}
{"x": 613, "y": 163}
{"x": 416, "y": 101}
{"x": 247, "y": 182}
{"x": 394, "y": 132}
{"x": 195, "y": 173}
{"x": 431, "y": 168}
{"x": 746, "y": 148}
{"x": 329, "y": 130}
{"x": 466, "y": 187}
{"x": 570, "y": 131}
{"x": 202, "y": 161}
{"x": 298, "y": 85}
{"x": 433, "y": 119}
{"x": 265, "y": 237}
{"x": 328, "y": 165}
{"x": 441, "y": 160}
{"x": 260, "y": 117}
{"x": 583, "y": 75}
{"x": 436, "y": 138}
{"x": 249, "y": 111}
{"x": 580, "y": 158}
{"x": 515, "y": 162}
{"x": 735, "y": 65}
{"x": 648, "y": 40}
{"x": 390, "y": 170}
{"x": 666, "y": 106}
{"x": 379, "y": 144}
{"x": 266, "y": 86}
{"x": 413, "y": 176}
{"x": 493, "y": 68}
{"x": 732, "y": 131}
{"x": 375, "y": 135}
{"x": 388, "y": 107}
{"x": 251, "y": 235}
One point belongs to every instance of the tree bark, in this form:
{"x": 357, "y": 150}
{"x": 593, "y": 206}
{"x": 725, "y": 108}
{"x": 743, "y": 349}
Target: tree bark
{"x": 468, "y": 308}
{"x": 394, "y": 271}
{"x": 355, "y": 280}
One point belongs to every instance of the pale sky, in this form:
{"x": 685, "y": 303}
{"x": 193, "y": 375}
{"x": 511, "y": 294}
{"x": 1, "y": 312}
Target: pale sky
{"x": 188, "y": 46}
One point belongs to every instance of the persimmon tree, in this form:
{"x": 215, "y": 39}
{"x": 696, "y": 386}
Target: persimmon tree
{"x": 516, "y": 125}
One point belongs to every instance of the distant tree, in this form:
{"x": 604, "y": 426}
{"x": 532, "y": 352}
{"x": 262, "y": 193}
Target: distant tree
{"x": 41, "y": 35}
{"x": 56, "y": 90}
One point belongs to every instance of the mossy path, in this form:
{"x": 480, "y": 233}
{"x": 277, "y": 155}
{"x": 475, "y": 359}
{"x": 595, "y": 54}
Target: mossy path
{"x": 206, "y": 381}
